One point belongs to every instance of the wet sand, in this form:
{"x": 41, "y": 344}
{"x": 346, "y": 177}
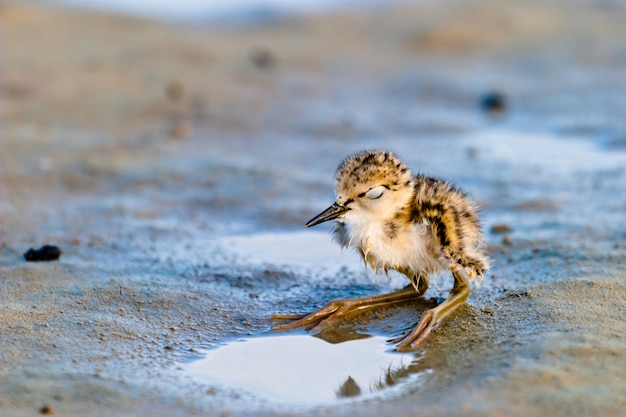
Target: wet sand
{"x": 146, "y": 150}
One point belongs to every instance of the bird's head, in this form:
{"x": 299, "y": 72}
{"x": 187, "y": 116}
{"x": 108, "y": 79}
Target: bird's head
{"x": 370, "y": 185}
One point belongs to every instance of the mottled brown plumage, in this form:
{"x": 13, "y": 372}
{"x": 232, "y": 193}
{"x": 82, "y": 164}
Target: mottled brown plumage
{"x": 414, "y": 224}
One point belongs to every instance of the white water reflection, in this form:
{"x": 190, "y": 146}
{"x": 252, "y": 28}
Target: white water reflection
{"x": 305, "y": 370}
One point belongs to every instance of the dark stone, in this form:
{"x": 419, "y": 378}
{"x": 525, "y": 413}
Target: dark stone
{"x": 493, "y": 102}
{"x": 45, "y": 253}
{"x": 263, "y": 58}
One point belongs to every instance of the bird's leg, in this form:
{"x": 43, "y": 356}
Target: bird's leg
{"x": 337, "y": 309}
{"x": 458, "y": 295}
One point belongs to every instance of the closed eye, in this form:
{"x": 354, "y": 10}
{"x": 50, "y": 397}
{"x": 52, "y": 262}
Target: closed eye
{"x": 374, "y": 193}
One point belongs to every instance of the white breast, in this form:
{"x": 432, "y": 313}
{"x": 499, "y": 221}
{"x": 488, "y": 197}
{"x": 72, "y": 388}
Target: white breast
{"x": 413, "y": 246}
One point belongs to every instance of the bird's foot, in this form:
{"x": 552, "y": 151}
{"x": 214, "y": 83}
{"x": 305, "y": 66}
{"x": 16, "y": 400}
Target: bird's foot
{"x": 430, "y": 318}
{"x": 319, "y": 319}
{"x": 411, "y": 341}
{"x": 338, "y": 309}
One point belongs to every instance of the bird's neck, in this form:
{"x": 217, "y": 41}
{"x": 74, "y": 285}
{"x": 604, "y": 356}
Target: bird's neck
{"x": 382, "y": 227}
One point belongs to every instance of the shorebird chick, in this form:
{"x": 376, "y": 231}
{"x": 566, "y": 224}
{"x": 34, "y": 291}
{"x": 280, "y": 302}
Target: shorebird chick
{"x": 414, "y": 224}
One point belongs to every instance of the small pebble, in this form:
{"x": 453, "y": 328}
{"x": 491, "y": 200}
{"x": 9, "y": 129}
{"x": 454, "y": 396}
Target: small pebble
{"x": 46, "y": 409}
{"x": 181, "y": 130}
{"x": 174, "y": 91}
{"x": 493, "y": 102}
{"x": 45, "y": 253}
{"x": 263, "y": 58}
{"x": 501, "y": 228}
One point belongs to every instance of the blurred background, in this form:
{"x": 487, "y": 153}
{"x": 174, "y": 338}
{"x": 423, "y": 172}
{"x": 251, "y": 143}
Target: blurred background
{"x": 162, "y": 144}
{"x": 244, "y": 109}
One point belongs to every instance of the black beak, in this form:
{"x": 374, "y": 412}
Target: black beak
{"x": 330, "y": 213}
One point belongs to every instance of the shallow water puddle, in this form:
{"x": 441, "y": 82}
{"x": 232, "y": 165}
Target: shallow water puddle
{"x": 306, "y": 248}
{"x": 305, "y": 370}
{"x": 311, "y": 253}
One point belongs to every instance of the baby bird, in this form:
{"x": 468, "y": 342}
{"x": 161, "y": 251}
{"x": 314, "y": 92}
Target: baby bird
{"x": 414, "y": 224}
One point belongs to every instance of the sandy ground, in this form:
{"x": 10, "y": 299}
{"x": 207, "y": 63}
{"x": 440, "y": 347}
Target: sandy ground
{"x": 133, "y": 144}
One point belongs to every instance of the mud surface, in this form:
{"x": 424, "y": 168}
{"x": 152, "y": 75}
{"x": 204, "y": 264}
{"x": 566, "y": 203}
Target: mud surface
{"x": 174, "y": 167}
